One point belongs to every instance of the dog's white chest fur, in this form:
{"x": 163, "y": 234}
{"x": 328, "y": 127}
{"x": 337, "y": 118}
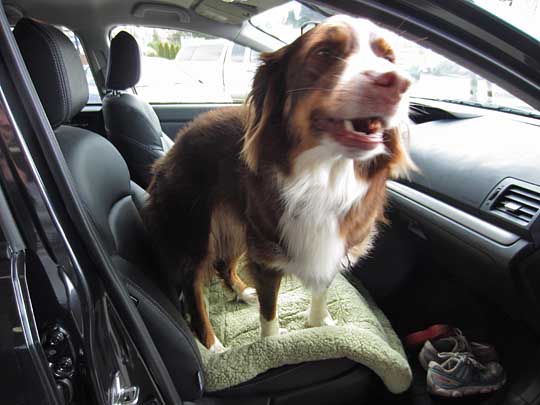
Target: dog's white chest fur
{"x": 316, "y": 199}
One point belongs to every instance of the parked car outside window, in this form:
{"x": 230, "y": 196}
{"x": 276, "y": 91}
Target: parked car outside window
{"x": 185, "y": 67}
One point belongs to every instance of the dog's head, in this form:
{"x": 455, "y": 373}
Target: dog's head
{"x": 336, "y": 86}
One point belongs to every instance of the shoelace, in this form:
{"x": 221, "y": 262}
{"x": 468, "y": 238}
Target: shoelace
{"x": 461, "y": 337}
{"x": 465, "y": 357}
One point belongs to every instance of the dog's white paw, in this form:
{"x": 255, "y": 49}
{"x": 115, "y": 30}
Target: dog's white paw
{"x": 249, "y": 296}
{"x": 314, "y": 320}
{"x": 271, "y": 328}
{"x": 217, "y": 347}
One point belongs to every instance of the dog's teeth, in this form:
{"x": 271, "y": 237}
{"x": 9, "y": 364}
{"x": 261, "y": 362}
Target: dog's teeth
{"x": 348, "y": 125}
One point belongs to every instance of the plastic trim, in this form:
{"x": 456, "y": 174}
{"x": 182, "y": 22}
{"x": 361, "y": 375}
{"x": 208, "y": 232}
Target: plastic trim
{"x": 485, "y": 229}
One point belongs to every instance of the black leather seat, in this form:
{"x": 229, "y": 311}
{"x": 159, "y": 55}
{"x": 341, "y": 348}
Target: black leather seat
{"x": 112, "y": 200}
{"x": 131, "y": 123}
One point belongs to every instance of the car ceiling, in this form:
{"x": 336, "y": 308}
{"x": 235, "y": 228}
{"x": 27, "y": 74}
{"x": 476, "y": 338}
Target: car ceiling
{"x": 217, "y": 17}
{"x": 92, "y": 20}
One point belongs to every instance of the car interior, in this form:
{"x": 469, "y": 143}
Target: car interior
{"x": 461, "y": 247}
{"x": 131, "y": 123}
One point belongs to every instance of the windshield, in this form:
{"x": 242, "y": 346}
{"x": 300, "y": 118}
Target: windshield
{"x": 435, "y": 77}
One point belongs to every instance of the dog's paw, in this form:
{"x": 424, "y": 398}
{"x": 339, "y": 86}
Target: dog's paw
{"x": 248, "y": 295}
{"x": 271, "y": 328}
{"x": 315, "y": 320}
{"x": 281, "y": 331}
{"x": 217, "y": 347}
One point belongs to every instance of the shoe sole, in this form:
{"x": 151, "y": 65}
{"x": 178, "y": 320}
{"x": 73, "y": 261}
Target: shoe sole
{"x": 462, "y": 391}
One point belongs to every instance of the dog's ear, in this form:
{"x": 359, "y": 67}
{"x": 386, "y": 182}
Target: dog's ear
{"x": 265, "y": 103}
{"x": 401, "y": 163}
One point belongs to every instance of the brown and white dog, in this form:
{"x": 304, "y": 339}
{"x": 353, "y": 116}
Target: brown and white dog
{"x": 295, "y": 179}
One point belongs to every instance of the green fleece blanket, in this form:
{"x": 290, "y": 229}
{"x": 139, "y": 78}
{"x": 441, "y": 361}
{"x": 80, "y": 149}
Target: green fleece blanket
{"x": 362, "y": 334}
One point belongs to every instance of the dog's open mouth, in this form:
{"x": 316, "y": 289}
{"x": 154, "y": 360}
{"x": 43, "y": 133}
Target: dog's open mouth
{"x": 361, "y": 133}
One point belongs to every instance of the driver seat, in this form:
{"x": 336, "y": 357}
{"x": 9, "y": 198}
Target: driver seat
{"x": 113, "y": 202}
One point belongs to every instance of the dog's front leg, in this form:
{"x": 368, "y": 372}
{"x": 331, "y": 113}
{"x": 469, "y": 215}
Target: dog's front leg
{"x": 267, "y": 282}
{"x": 318, "y": 314}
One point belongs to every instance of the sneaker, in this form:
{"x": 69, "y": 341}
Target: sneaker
{"x": 460, "y": 374}
{"x": 455, "y": 344}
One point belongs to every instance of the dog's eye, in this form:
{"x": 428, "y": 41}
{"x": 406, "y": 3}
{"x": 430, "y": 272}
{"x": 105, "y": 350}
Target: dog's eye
{"x": 325, "y": 52}
{"x": 390, "y": 57}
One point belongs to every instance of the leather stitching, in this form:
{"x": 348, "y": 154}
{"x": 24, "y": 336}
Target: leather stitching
{"x": 148, "y": 148}
{"x": 98, "y": 227}
{"x": 62, "y": 71}
{"x": 139, "y": 112}
{"x": 58, "y": 66}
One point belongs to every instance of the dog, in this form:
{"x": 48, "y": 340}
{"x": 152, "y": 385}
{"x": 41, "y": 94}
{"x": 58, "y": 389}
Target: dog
{"x": 294, "y": 179}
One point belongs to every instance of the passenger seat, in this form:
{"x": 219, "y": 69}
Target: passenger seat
{"x": 113, "y": 202}
{"x": 131, "y": 123}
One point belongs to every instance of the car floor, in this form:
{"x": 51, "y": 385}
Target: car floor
{"x": 429, "y": 296}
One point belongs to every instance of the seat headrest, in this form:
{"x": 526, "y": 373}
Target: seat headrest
{"x": 124, "y": 68}
{"x": 55, "y": 68}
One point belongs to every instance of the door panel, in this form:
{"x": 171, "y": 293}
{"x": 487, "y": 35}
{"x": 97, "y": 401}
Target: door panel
{"x": 90, "y": 118}
{"x": 174, "y": 117}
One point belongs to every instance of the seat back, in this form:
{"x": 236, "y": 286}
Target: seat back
{"x": 103, "y": 182}
{"x": 131, "y": 123}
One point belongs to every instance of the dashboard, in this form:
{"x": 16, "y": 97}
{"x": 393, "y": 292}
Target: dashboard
{"x": 475, "y": 202}
{"x": 464, "y": 161}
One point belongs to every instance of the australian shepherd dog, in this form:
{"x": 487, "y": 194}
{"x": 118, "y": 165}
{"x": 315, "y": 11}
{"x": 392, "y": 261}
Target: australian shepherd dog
{"x": 294, "y": 180}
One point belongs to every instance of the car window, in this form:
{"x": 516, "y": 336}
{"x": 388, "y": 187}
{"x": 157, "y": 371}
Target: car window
{"x": 93, "y": 92}
{"x": 237, "y": 53}
{"x": 285, "y": 22}
{"x": 187, "y": 67}
{"x": 254, "y": 56}
{"x": 185, "y": 53}
{"x": 208, "y": 53}
{"x": 522, "y": 14}
{"x": 435, "y": 77}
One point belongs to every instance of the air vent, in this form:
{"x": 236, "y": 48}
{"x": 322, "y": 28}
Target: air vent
{"x": 518, "y": 203}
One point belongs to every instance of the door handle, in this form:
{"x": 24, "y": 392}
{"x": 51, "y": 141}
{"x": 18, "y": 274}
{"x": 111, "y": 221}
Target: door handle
{"x": 123, "y": 395}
